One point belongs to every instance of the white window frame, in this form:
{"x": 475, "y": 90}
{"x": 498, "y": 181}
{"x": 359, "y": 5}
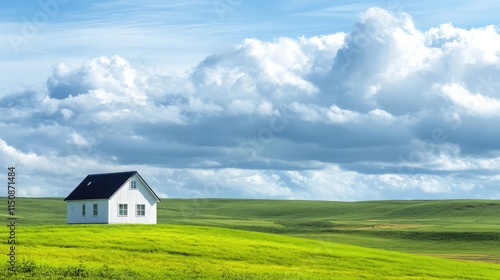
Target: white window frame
{"x": 95, "y": 209}
{"x": 84, "y": 210}
{"x": 133, "y": 185}
{"x": 124, "y": 210}
{"x": 137, "y": 213}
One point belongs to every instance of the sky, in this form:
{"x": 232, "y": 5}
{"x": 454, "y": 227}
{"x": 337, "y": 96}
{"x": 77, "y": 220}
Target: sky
{"x": 350, "y": 100}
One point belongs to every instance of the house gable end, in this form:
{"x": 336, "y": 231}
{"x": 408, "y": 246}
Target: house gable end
{"x": 142, "y": 188}
{"x": 127, "y": 184}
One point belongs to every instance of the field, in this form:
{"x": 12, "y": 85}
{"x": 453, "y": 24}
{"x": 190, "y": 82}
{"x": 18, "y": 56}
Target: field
{"x": 462, "y": 229}
{"x": 266, "y": 239}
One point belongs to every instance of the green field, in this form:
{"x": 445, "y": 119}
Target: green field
{"x": 463, "y": 229}
{"x": 265, "y": 239}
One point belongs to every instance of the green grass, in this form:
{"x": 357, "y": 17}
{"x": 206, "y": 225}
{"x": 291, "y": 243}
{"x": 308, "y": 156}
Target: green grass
{"x": 463, "y": 229}
{"x": 195, "y": 240}
{"x": 196, "y": 252}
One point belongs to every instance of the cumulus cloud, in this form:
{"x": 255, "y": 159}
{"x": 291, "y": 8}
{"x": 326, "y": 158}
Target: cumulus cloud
{"x": 473, "y": 104}
{"x": 382, "y": 111}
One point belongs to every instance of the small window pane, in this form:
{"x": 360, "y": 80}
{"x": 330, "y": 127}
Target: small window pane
{"x": 95, "y": 210}
{"x": 83, "y": 209}
{"x": 141, "y": 210}
{"x": 122, "y": 210}
{"x": 133, "y": 185}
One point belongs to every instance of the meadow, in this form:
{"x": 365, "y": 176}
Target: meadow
{"x": 457, "y": 229}
{"x": 265, "y": 239}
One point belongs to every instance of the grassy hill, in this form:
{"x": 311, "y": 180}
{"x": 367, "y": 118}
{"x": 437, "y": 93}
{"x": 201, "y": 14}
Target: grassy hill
{"x": 197, "y": 237}
{"x": 197, "y": 252}
{"x": 462, "y": 229}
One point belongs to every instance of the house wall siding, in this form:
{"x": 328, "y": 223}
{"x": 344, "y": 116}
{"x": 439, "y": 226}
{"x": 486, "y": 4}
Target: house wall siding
{"x": 74, "y": 211}
{"x": 132, "y": 197}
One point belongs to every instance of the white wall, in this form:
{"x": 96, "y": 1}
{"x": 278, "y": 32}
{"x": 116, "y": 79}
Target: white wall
{"x": 74, "y": 211}
{"x": 132, "y": 197}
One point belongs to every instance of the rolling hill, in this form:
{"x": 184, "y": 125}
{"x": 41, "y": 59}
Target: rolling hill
{"x": 258, "y": 239}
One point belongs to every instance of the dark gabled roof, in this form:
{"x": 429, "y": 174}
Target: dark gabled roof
{"x": 103, "y": 186}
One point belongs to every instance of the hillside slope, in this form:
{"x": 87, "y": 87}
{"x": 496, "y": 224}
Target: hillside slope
{"x": 458, "y": 229}
{"x": 193, "y": 252}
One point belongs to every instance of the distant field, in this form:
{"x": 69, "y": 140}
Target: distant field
{"x": 463, "y": 229}
{"x": 456, "y": 229}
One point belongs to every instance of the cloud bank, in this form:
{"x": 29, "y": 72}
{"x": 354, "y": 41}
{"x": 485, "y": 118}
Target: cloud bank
{"x": 386, "y": 111}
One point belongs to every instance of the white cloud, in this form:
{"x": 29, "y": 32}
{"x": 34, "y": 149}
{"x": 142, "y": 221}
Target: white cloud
{"x": 308, "y": 112}
{"x": 66, "y": 113}
{"x": 338, "y": 115}
{"x": 78, "y": 140}
{"x": 244, "y": 107}
{"x": 331, "y": 183}
{"x": 381, "y": 115}
{"x": 428, "y": 184}
{"x": 322, "y": 117}
{"x": 473, "y": 103}
{"x": 203, "y": 107}
{"x": 472, "y": 47}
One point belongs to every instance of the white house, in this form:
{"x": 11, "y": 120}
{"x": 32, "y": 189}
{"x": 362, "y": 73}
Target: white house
{"x": 112, "y": 198}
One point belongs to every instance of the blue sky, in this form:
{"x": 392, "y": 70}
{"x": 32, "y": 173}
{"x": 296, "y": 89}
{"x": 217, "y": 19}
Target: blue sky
{"x": 351, "y": 100}
{"x": 178, "y": 34}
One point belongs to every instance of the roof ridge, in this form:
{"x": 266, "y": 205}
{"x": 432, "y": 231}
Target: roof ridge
{"x": 110, "y": 173}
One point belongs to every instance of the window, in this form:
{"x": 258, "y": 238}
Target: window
{"x": 140, "y": 210}
{"x": 83, "y": 209}
{"x": 122, "y": 210}
{"x": 133, "y": 185}
{"x": 95, "y": 209}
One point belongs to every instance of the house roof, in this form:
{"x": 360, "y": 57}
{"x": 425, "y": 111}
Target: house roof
{"x": 103, "y": 186}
